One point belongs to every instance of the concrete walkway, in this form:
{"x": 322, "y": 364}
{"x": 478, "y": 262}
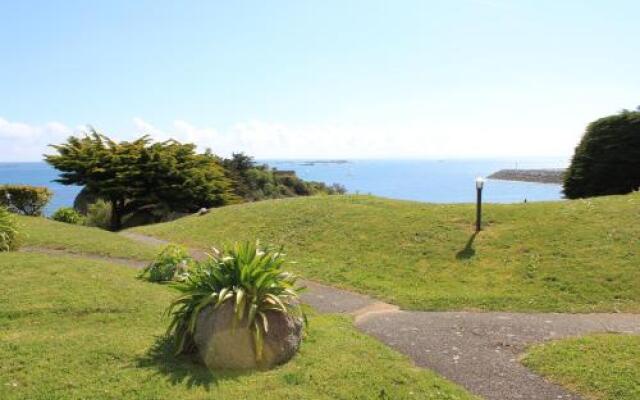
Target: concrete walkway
{"x": 478, "y": 350}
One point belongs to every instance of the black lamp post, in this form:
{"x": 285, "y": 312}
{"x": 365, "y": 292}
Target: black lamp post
{"x": 479, "y": 185}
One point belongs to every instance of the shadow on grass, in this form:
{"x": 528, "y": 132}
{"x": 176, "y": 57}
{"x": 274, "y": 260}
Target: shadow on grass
{"x": 468, "y": 250}
{"x": 183, "y": 369}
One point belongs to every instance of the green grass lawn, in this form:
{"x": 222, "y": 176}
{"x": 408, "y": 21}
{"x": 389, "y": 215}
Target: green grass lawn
{"x": 79, "y": 329}
{"x": 569, "y": 256}
{"x": 49, "y": 234}
{"x": 602, "y": 367}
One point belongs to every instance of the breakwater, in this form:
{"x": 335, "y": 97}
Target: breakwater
{"x": 551, "y": 175}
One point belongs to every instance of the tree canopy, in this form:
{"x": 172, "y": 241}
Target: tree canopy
{"x": 142, "y": 175}
{"x": 253, "y": 181}
{"x": 607, "y": 160}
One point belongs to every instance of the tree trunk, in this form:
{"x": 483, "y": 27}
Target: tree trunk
{"x": 116, "y": 215}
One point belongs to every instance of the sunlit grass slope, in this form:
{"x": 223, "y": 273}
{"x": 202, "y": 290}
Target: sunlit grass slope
{"x": 603, "y": 367}
{"x": 80, "y": 329}
{"x": 45, "y": 233}
{"x": 558, "y": 256}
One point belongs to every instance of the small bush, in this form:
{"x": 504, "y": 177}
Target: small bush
{"x": 99, "y": 214}
{"x": 8, "y": 231}
{"x": 337, "y": 188}
{"x": 24, "y": 199}
{"x": 251, "y": 278}
{"x": 68, "y": 215}
{"x": 173, "y": 263}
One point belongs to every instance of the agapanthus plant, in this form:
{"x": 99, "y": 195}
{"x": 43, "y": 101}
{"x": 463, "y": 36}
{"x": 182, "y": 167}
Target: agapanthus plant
{"x": 249, "y": 277}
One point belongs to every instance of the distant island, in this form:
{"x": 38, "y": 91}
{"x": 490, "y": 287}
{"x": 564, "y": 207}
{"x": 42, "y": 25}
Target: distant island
{"x": 314, "y": 162}
{"x": 551, "y": 175}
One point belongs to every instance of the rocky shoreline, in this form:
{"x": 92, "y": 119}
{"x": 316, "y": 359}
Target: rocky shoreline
{"x": 551, "y": 175}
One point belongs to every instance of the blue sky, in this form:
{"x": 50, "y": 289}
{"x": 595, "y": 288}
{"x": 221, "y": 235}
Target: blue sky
{"x": 300, "y": 79}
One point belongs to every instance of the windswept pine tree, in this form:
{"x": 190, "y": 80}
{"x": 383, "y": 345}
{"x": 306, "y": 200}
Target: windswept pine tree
{"x": 142, "y": 176}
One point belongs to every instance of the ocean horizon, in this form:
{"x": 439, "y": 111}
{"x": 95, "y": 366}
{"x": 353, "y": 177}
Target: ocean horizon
{"x": 432, "y": 181}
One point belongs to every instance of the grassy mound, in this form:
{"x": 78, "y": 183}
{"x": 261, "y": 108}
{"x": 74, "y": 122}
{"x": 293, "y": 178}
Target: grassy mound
{"x": 73, "y": 328}
{"x": 577, "y": 256}
{"x": 45, "y": 233}
{"x": 603, "y": 367}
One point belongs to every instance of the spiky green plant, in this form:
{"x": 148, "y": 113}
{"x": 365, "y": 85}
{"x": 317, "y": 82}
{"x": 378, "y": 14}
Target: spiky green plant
{"x": 249, "y": 277}
{"x": 8, "y": 231}
{"x": 171, "y": 264}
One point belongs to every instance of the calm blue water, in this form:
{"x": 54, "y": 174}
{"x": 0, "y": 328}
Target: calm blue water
{"x": 446, "y": 181}
{"x": 437, "y": 181}
{"x": 39, "y": 174}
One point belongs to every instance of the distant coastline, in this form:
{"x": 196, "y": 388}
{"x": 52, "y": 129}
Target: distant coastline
{"x": 550, "y": 175}
{"x": 306, "y": 162}
{"x": 314, "y": 162}
{"x": 432, "y": 181}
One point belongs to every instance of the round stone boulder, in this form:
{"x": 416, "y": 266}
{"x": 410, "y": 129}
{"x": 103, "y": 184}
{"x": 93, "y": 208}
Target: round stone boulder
{"x": 223, "y": 346}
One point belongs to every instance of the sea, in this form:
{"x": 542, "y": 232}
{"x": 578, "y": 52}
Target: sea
{"x": 434, "y": 181}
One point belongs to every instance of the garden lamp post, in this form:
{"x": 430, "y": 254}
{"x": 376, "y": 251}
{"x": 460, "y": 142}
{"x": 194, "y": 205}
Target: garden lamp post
{"x": 479, "y": 185}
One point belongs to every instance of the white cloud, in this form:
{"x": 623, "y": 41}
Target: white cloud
{"x": 272, "y": 140}
{"x": 20, "y": 141}
{"x": 473, "y": 136}
{"x": 14, "y": 130}
{"x": 143, "y": 127}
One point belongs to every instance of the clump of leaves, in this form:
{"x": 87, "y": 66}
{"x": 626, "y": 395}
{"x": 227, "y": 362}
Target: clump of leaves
{"x": 8, "y": 231}
{"x": 68, "y": 215}
{"x": 249, "y": 277}
{"x": 171, "y": 264}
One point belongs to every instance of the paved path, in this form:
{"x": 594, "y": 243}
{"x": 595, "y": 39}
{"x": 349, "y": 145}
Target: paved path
{"x": 478, "y": 350}
{"x": 115, "y": 260}
{"x": 197, "y": 254}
